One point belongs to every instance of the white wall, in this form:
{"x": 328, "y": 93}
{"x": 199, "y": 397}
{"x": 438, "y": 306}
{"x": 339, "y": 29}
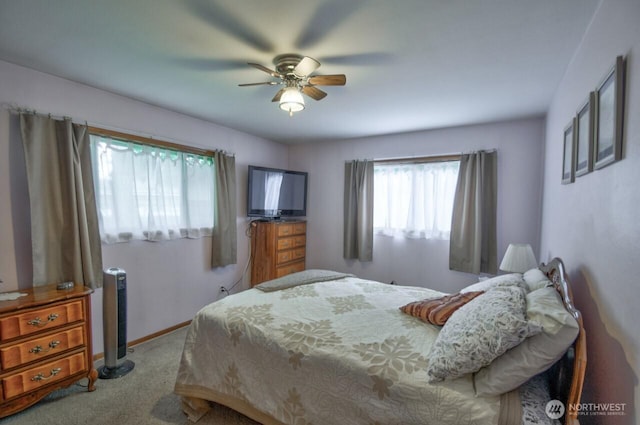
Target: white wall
{"x": 593, "y": 223}
{"x": 411, "y": 261}
{"x": 167, "y": 282}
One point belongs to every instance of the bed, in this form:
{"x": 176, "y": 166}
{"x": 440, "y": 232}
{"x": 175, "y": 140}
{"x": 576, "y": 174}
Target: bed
{"x": 320, "y": 347}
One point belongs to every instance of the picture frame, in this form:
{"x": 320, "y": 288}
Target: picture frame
{"x": 568, "y": 157}
{"x": 584, "y": 136}
{"x": 608, "y": 124}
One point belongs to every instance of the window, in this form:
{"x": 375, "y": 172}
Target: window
{"x": 414, "y": 199}
{"x": 151, "y": 193}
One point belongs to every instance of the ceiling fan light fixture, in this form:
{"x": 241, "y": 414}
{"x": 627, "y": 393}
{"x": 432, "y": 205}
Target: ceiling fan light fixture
{"x": 291, "y": 100}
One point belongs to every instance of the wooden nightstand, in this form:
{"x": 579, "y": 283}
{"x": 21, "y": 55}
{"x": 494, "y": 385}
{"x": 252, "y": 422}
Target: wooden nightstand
{"x": 45, "y": 345}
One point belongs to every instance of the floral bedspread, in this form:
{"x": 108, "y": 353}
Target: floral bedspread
{"x": 337, "y": 352}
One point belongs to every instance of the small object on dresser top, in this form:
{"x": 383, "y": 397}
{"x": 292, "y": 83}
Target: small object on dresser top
{"x": 10, "y": 296}
{"x": 64, "y": 285}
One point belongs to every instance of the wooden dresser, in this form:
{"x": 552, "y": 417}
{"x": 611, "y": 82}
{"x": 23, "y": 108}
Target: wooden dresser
{"x": 278, "y": 248}
{"x": 45, "y": 344}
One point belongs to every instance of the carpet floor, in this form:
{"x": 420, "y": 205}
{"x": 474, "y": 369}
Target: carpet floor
{"x": 144, "y": 396}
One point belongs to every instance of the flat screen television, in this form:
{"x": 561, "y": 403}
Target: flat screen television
{"x": 275, "y": 193}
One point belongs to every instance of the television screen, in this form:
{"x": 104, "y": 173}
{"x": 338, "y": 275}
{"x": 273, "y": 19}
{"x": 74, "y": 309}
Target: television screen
{"x": 275, "y": 193}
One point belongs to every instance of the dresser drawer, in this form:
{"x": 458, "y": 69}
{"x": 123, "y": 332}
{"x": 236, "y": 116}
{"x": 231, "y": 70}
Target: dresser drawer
{"x": 298, "y": 253}
{"x": 299, "y": 228}
{"x": 292, "y": 242}
{"x": 290, "y": 255}
{"x": 285, "y": 243}
{"x": 299, "y": 241}
{"x": 40, "y": 319}
{"x": 284, "y": 229}
{"x": 38, "y": 376}
{"x": 41, "y": 348}
{"x": 291, "y": 229}
{"x": 284, "y": 257}
{"x": 291, "y": 268}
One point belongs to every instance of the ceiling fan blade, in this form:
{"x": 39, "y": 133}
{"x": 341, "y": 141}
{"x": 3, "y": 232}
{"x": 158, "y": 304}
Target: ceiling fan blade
{"x": 328, "y": 80}
{"x": 265, "y": 69}
{"x": 328, "y": 16}
{"x": 266, "y": 83}
{"x": 313, "y": 92}
{"x": 276, "y": 98}
{"x": 218, "y": 17}
{"x": 360, "y": 59}
{"x": 210, "y": 64}
{"x": 305, "y": 67}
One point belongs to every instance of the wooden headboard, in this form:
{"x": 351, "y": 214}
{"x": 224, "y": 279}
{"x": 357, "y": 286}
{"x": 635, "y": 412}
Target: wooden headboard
{"x": 567, "y": 375}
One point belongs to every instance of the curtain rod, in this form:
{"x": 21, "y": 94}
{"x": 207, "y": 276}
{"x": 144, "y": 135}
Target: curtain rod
{"x": 427, "y": 158}
{"x": 127, "y": 137}
{"x": 122, "y": 134}
{"x": 418, "y": 159}
{"x": 23, "y": 109}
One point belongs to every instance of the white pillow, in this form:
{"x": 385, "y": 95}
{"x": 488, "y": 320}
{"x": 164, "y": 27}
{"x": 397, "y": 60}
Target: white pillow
{"x": 513, "y": 279}
{"x": 535, "y": 279}
{"x": 480, "y": 331}
{"x": 535, "y": 354}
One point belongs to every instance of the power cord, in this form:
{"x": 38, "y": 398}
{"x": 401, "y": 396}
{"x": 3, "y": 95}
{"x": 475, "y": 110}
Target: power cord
{"x": 249, "y": 233}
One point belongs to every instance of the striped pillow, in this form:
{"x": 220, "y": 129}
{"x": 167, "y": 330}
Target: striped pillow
{"x": 438, "y": 310}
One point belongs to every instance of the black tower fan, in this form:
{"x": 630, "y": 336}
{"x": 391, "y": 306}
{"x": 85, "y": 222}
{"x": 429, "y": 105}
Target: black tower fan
{"x": 114, "y": 318}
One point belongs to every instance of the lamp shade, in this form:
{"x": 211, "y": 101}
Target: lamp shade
{"x": 518, "y": 259}
{"x": 291, "y": 100}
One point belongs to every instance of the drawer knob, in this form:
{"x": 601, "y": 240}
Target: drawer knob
{"x": 38, "y": 348}
{"x": 40, "y": 377}
{"x": 38, "y": 323}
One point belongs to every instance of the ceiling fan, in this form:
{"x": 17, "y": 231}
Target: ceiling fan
{"x": 294, "y": 73}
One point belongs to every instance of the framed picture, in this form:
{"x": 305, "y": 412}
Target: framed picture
{"x": 568, "y": 158}
{"x": 584, "y": 137}
{"x": 609, "y": 100}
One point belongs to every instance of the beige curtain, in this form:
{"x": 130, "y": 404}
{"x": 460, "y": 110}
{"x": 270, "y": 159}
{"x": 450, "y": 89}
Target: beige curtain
{"x": 358, "y": 210}
{"x": 64, "y": 220}
{"x": 473, "y": 244}
{"x": 225, "y": 238}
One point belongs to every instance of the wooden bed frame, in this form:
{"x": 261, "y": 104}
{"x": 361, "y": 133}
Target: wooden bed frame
{"x": 567, "y": 375}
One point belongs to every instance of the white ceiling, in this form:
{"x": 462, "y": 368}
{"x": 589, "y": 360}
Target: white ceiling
{"x": 410, "y": 64}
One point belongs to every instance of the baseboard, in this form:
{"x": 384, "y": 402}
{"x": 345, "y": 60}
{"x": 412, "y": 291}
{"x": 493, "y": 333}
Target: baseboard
{"x": 148, "y": 337}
